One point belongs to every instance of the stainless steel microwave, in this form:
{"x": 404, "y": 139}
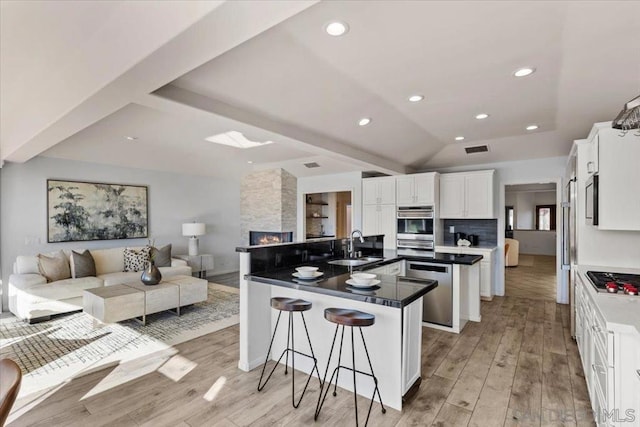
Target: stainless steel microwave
{"x": 591, "y": 200}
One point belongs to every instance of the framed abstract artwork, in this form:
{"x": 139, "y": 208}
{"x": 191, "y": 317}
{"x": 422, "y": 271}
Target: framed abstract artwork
{"x": 81, "y": 211}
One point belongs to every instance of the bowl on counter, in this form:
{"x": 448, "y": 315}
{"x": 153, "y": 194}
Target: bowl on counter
{"x": 307, "y": 271}
{"x": 363, "y": 279}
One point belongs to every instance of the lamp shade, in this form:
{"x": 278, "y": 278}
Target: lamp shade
{"x": 193, "y": 229}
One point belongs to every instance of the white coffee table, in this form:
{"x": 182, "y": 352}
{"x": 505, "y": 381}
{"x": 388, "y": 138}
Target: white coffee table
{"x": 110, "y": 304}
{"x": 134, "y": 300}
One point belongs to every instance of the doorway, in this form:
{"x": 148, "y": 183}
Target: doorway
{"x": 531, "y": 236}
{"x": 328, "y": 215}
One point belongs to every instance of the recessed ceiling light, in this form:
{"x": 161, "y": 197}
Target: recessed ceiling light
{"x": 523, "y": 72}
{"x": 235, "y": 139}
{"x": 459, "y": 138}
{"x": 482, "y": 116}
{"x": 131, "y": 138}
{"x": 249, "y": 161}
{"x": 416, "y": 98}
{"x": 336, "y": 28}
{"x": 364, "y": 121}
{"x": 532, "y": 127}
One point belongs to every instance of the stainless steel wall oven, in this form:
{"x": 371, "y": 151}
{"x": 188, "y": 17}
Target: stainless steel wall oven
{"x": 415, "y": 231}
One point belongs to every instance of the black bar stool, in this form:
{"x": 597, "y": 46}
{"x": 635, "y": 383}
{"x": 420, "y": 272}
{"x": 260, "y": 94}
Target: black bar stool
{"x": 346, "y": 317}
{"x": 291, "y": 305}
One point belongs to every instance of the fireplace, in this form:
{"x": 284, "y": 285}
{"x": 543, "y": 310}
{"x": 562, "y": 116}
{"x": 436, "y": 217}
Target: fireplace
{"x": 269, "y": 237}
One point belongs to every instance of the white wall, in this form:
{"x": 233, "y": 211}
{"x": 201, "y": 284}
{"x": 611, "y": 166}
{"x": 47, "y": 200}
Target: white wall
{"x": 350, "y": 181}
{"x": 546, "y": 170}
{"x": 535, "y": 242}
{"x": 531, "y": 241}
{"x": 173, "y": 199}
{"x": 525, "y": 210}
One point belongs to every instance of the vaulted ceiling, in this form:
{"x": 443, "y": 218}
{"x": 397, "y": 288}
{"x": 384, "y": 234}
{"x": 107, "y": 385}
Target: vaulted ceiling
{"x": 283, "y": 77}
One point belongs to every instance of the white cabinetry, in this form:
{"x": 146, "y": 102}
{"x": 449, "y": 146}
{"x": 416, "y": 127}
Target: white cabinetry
{"x": 615, "y": 159}
{"x": 379, "y": 208}
{"x": 381, "y": 191}
{"x": 466, "y": 195}
{"x": 393, "y": 269}
{"x": 610, "y": 360}
{"x": 488, "y": 266}
{"x": 380, "y": 219}
{"x": 417, "y": 190}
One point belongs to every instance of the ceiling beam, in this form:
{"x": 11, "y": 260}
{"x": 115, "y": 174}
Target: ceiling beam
{"x": 309, "y": 140}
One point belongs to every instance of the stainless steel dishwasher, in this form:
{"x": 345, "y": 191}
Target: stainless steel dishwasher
{"x": 437, "y": 305}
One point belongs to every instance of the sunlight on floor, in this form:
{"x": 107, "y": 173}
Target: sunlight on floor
{"x": 215, "y": 389}
{"x": 131, "y": 370}
{"x": 177, "y": 367}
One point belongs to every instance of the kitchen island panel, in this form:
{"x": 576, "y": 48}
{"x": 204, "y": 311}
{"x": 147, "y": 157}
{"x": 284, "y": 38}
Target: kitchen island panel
{"x": 384, "y": 341}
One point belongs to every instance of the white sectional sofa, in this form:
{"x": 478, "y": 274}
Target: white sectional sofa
{"x": 32, "y": 299}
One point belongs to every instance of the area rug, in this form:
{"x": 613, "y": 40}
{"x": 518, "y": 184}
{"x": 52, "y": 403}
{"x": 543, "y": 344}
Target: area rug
{"x": 52, "y": 352}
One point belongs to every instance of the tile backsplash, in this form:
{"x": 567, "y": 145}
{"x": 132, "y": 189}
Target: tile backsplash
{"x": 486, "y": 229}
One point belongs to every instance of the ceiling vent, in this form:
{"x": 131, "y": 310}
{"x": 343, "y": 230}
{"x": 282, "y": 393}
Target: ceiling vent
{"x": 476, "y": 149}
{"x": 312, "y": 165}
{"x": 373, "y": 174}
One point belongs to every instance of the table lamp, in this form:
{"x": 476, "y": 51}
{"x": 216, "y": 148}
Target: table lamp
{"x": 193, "y": 230}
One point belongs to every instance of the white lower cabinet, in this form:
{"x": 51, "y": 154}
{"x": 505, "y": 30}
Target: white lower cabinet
{"x": 395, "y": 269}
{"x": 487, "y": 265}
{"x": 610, "y": 360}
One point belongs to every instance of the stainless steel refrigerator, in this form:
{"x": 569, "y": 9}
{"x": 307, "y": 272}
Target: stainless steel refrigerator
{"x": 569, "y": 236}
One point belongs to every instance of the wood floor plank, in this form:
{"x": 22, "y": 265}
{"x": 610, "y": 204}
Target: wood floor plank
{"x": 526, "y": 394}
{"x": 452, "y": 416}
{"x": 466, "y": 391}
{"x": 557, "y": 394}
{"x": 436, "y": 354}
{"x": 457, "y": 358}
{"x": 532, "y": 340}
{"x": 424, "y": 408}
{"x": 492, "y": 405}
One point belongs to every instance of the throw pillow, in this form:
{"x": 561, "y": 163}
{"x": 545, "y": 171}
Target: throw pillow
{"x": 136, "y": 259}
{"x": 161, "y": 257}
{"x": 82, "y": 264}
{"x": 54, "y": 267}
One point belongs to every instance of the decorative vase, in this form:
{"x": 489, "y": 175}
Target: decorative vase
{"x": 151, "y": 276}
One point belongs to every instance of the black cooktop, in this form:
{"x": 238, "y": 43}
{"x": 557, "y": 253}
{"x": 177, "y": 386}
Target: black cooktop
{"x": 599, "y": 279}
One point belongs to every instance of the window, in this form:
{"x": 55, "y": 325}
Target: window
{"x": 509, "y": 217}
{"x": 546, "y": 217}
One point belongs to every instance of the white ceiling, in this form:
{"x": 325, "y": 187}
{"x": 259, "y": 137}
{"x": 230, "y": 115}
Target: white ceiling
{"x": 286, "y": 77}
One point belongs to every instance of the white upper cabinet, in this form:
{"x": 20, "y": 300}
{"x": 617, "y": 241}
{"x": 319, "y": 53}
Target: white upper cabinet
{"x": 616, "y": 160}
{"x": 417, "y": 190}
{"x": 379, "y": 208}
{"x": 467, "y": 195}
{"x": 379, "y": 191}
{"x": 452, "y": 195}
{"x": 380, "y": 219}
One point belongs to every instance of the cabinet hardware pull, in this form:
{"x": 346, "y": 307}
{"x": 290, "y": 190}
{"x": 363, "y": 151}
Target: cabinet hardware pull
{"x": 638, "y": 373}
{"x": 596, "y": 328}
{"x": 597, "y": 368}
{"x": 590, "y": 167}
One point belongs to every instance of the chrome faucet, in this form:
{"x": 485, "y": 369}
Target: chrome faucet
{"x": 352, "y": 251}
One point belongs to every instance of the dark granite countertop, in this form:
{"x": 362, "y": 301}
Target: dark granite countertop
{"x": 392, "y": 291}
{"x": 391, "y": 256}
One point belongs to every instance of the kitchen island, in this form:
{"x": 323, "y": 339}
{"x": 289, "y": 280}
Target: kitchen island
{"x": 394, "y": 341}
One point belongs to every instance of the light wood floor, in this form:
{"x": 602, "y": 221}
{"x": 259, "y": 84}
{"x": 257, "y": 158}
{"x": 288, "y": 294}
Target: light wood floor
{"x": 534, "y": 278}
{"x": 518, "y": 365}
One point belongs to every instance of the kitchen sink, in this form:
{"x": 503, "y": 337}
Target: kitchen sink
{"x": 355, "y": 262}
